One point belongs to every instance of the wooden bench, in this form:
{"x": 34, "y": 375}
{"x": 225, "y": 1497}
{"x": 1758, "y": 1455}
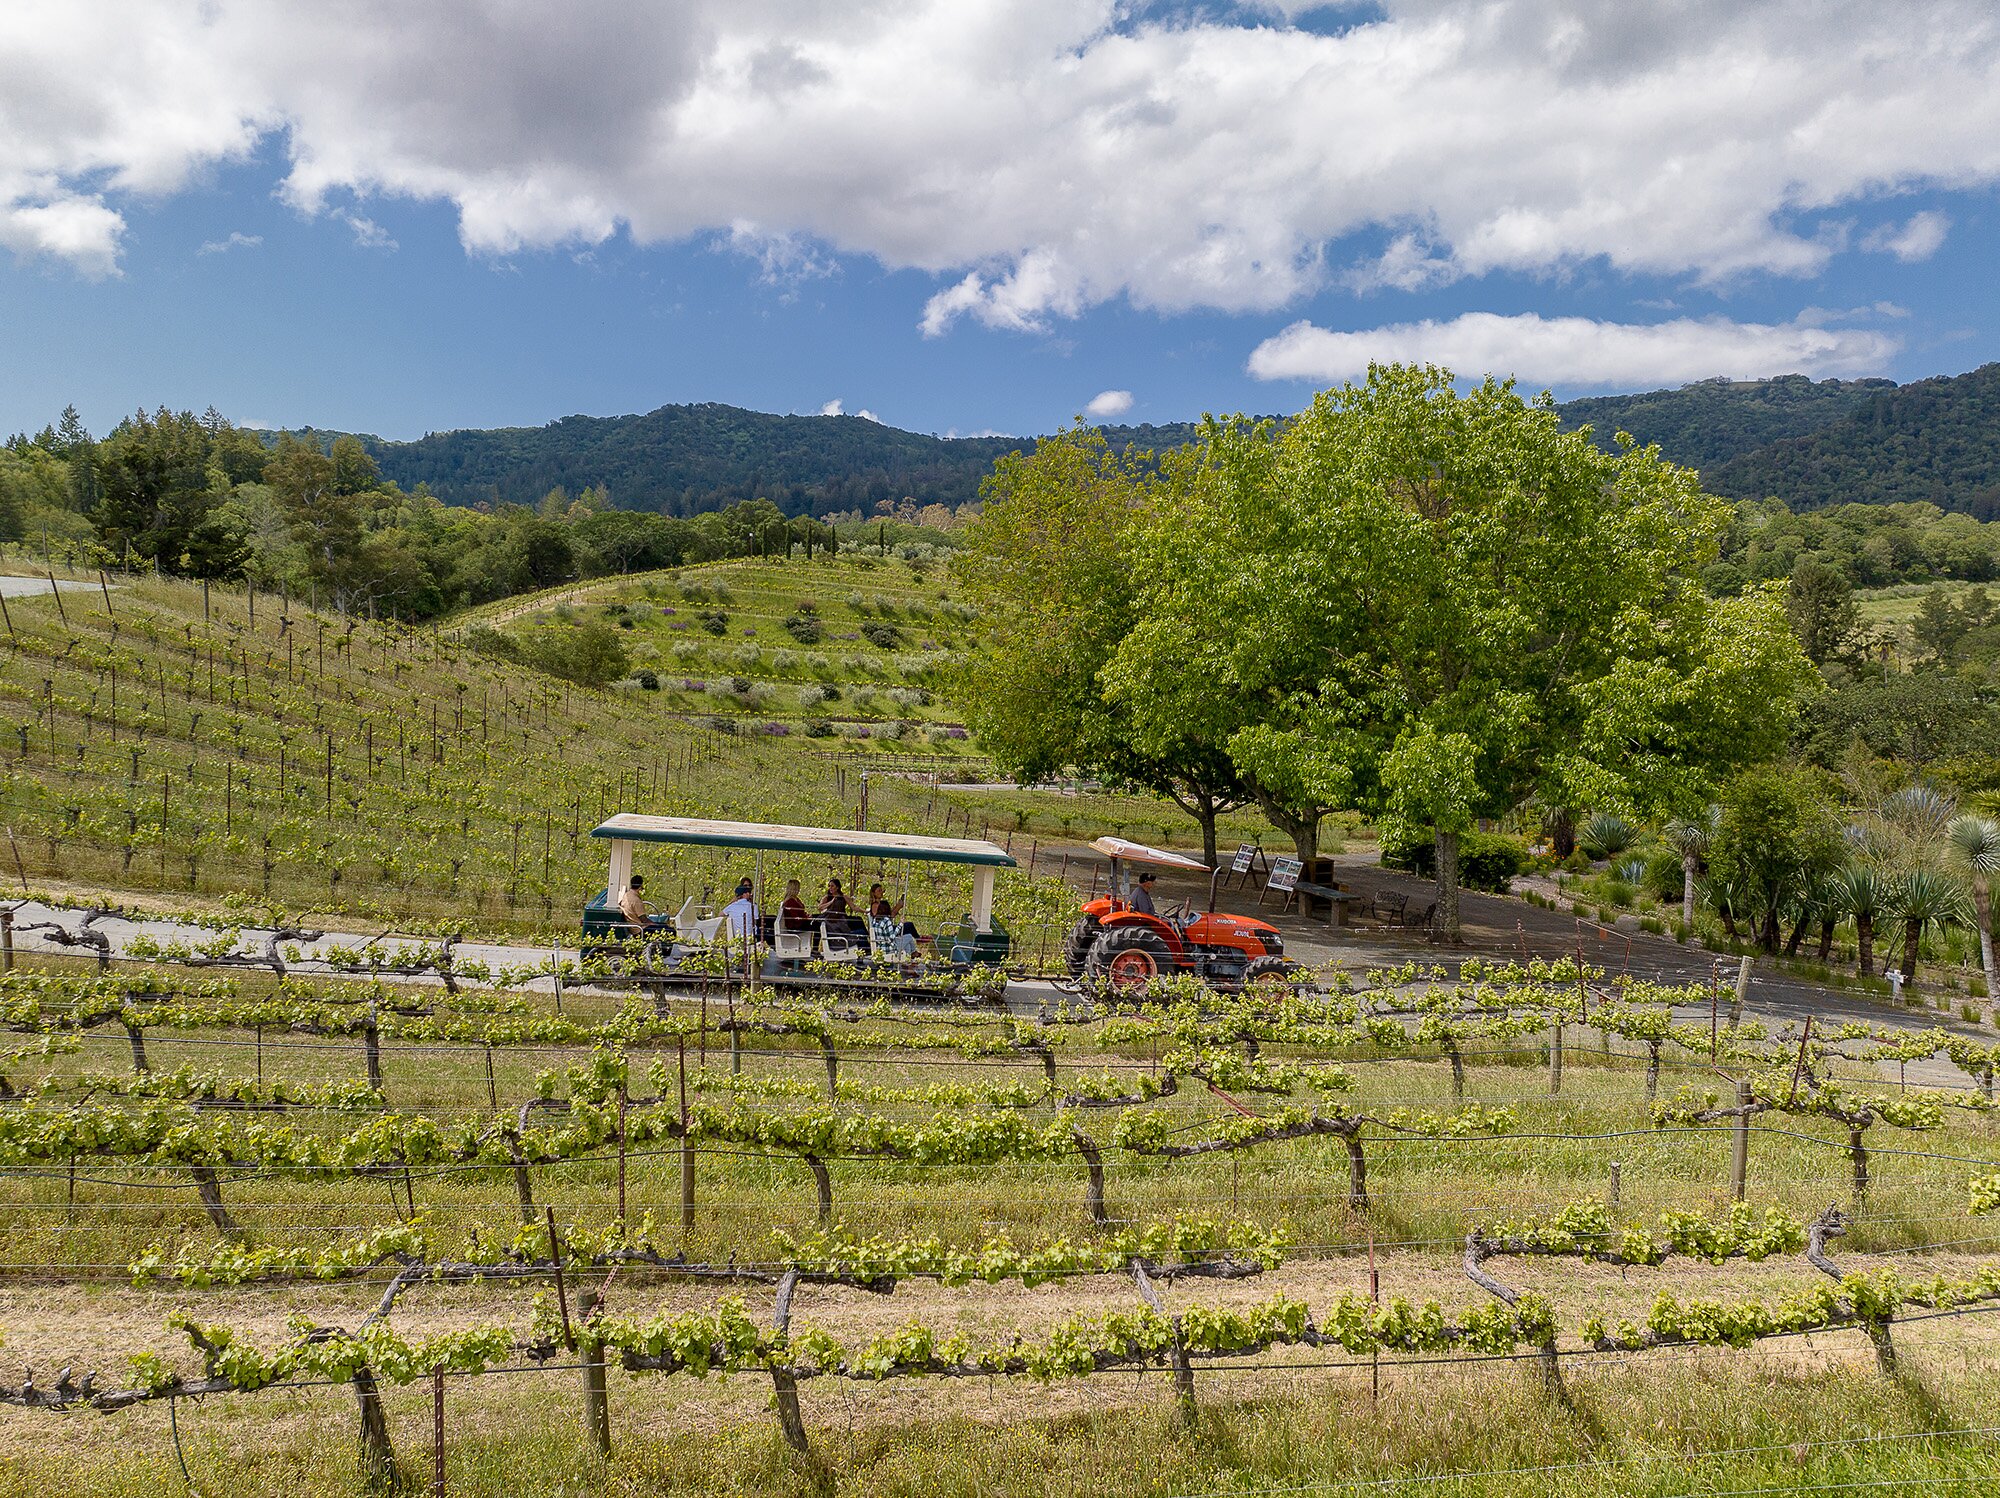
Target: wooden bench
{"x": 1337, "y": 900}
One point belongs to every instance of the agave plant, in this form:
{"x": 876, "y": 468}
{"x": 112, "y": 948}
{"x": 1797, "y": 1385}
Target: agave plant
{"x": 1920, "y": 812}
{"x": 1690, "y": 838}
{"x": 1925, "y": 897}
{"x": 1976, "y": 843}
{"x": 1606, "y": 835}
{"x": 1863, "y": 893}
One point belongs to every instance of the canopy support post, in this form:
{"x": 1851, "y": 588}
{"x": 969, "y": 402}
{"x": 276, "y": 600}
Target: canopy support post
{"x": 982, "y": 898}
{"x": 621, "y": 869}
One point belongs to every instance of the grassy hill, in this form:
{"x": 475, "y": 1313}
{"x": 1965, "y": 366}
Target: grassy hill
{"x": 227, "y": 749}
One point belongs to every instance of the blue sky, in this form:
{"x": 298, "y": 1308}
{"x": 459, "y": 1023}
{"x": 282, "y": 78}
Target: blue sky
{"x": 975, "y": 216}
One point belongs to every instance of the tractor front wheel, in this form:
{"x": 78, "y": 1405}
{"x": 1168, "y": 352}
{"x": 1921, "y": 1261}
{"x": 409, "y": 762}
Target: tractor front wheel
{"x": 1271, "y": 972}
{"x": 1130, "y": 957}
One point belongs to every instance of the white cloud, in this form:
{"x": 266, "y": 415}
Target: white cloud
{"x": 1578, "y": 352}
{"x": 1109, "y": 403}
{"x": 368, "y": 234}
{"x": 1919, "y": 239}
{"x": 833, "y": 408}
{"x": 237, "y": 240}
{"x": 1036, "y": 156}
{"x": 867, "y": 415}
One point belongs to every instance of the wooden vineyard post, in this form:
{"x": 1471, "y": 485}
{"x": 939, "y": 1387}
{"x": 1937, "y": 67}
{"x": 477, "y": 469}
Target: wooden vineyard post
{"x": 7, "y": 939}
{"x": 1714, "y": 1010}
{"x": 1613, "y": 1194}
{"x": 1556, "y": 1062}
{"x": 596, "y": 1397}
{"x": 492, "y": 1094}
{"x": 687, "y": 1145}
{"x": 437, "y": 1431}
{"x": 1739, "y": 1153}
{"x": 1742, "y": 992}
{"x": 623, "y": 1103}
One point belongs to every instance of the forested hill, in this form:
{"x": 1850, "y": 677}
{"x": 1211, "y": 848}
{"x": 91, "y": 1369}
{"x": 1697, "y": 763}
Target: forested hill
{"x": 1809, "y": 443}
{"x": 685, "y": 460}
{"x": 1936, "y": 441}
{"x": 1706, "y": 424}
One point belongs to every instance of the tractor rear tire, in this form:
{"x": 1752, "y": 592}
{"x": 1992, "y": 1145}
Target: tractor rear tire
{"x": 1077, "y": 944}
{"x": 1273, "y": 971}
{"x": 1130, "y": 957}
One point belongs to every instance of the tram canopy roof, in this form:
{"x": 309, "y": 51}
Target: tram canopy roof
{"x": 1127, "y": 851}
{"x": 842, "y": 842}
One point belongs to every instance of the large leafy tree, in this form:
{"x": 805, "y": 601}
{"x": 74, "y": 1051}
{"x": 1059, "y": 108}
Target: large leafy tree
{"x": 1435, "y": 605}
{"x": 1053, "y": 559}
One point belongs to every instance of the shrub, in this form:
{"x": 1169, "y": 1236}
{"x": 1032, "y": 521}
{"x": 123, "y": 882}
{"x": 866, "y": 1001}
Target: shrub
{"x": 883, "y": 635}
{"x": 1663, "y": 876}
{"x": 590, "y": 655}
{"x": 818, "y": 728}
{"x": 722, "y": 725}
{"x": 648, "y": 680}
{"x": 805, "y": 628}
{"x": 1486, "y": 860}
{"x": 1619, "y": 892}
{"x": 715, "y": 621}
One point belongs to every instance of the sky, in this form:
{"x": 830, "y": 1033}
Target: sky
{"x": 962, "y": 216}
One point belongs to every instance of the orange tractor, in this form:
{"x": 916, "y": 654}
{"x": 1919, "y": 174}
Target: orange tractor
{"x": 1126, "y": 947}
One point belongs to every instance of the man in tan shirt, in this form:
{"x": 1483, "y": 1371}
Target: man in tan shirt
{"x": 632, "y": 905}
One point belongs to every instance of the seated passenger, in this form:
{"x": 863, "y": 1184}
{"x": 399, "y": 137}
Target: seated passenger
{"x": 1142, "y": 895}
{"x": 792, "y": 915}
{"x": 892, "y": 938}
{"x": 741, "y": 912}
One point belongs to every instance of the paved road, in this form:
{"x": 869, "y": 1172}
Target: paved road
{"x": 37, "y": 587}
{"x": 1494, "y": 927}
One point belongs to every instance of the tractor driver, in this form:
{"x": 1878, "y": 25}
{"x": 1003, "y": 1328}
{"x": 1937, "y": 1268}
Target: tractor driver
{"x": 1142, "y": 895}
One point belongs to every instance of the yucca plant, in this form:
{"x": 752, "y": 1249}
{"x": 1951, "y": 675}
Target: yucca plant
{"x": 1690, "y": 837}
{"x": 1863, "y": 893}
{"x": 1925, "y": 897}
{"x": 1975, "y": 841}
{"x": 1606, "y": 835}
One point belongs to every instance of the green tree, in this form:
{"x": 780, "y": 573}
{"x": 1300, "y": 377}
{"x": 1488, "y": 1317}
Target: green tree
{"x": 324, "y": 521}
{"x": 1052, "y": 557}
{"x": 1404, "y": 572}
{"x": 1775, "y": 835}
{"x": 1820, "y": 604}
{"x": 154, "y": 485}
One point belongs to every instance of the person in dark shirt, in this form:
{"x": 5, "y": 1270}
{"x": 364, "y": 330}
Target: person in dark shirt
{"x": 1142, "y": 895}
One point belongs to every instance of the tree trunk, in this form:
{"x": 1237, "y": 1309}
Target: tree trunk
{"x": 1798, "y": 934}
{"x": 1982, "y": 906}
{"x": 1562, "y": 833}
{"x": 1302, "y": 830}
{"x": 1688, "y": 870}
{"x": 1864, "y": 941}
{"x": 1826, "y": 925}
{"x": 1206, "y": 816}
{"x": 1767, "y": 935}
{"x": 1913, "y": 941}
{"x": 1447, "y": 886}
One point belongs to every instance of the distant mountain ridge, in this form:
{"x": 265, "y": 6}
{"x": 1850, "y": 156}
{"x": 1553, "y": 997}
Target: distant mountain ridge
{"x": 1809, "y": 443}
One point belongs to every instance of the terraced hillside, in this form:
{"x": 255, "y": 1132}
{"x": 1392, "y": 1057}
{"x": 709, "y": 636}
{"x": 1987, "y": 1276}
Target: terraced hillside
{"x": 859, "y": 649}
